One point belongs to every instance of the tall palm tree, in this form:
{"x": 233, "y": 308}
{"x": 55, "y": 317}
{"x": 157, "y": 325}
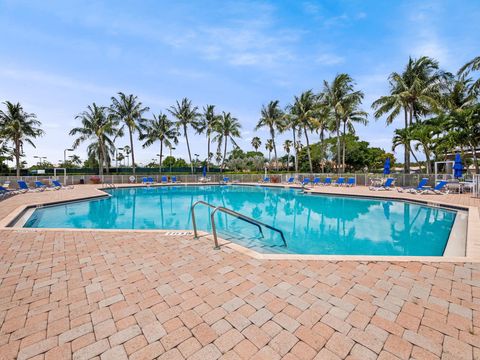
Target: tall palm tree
{"x": 186, "y": 115}
{"x": 304, "y": 113}
{"x": 341, "y": 98}
{"x": 415, "y": 91}
{"x": 18, "y": 127}
{"x": 159, "y": 129}
{"x": 287, "y": 146}
{"x": 206, "y": 124}
{"x": 129, "y": 110}
{"x": 269, "y": 148}
{"x": 99, "y": 128}
{"x": 256, "y": 143}
{"x": 271, "y": 117}
{"x": 423, "y": 134}
{"x": 228, "y": 127}
{"x": 290, "y": 121}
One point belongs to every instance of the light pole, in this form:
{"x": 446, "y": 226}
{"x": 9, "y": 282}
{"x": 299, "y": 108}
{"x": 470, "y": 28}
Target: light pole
{"x": 65, "y": 155}
{"x": 196, "y": 161}
{"x": 171, "y": 148}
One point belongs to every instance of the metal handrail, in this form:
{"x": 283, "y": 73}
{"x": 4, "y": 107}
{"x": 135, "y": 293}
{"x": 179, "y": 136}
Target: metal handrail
{"x": 246, "y": 219}
{"x": 233, "y": 213}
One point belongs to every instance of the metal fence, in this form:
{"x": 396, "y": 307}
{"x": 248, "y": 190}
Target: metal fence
{"x": 360, "y": 179}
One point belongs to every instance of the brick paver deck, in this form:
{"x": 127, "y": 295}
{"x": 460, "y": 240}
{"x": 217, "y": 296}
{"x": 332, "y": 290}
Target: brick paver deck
{"x": 146, "y": 295}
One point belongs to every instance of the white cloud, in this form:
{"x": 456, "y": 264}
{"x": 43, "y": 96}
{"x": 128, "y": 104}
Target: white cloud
{"x": 329, "y": 59}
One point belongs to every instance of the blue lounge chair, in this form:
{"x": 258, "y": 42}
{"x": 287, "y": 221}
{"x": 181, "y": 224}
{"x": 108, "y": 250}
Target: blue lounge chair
{"x": 305, "y": 181}
{"x": 387, "y": 185}
{"x": 350, "y": 182}
{"x": 144, "y": 180}
{"x": 174, "y": 180}
{"x": 41, "y": 186}
{"x": 316, "y": 181}
{"x": 59, "y": 185}
{"x": 415, "y": 190}
{"x": 24, "y": 186}
{"x": 340, "y": 181}
{"x": 225, "y": 180}
{"x": 4, "y": 192}
{"x": 327, "y": 182}
{"x": 438, "y": 189}
{"x": 164, "y": 180}
{"x": 266, "y": 180}
{"x": 290, "y": 180}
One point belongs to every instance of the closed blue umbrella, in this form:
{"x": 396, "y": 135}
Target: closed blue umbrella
{"x": 386, "y": 167}
{"x": 458, "y": 166}
{"x": 204, "y": 171}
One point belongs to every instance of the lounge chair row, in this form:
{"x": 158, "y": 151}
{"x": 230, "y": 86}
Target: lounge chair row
{"x": 326, "y": 182}
{"x": 421, "y": 188}
{"x": 23, "y": 187}
{"x": 163, "y": 180}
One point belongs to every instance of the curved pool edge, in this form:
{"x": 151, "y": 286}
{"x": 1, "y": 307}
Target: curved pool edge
{"x": 472, "y": 240}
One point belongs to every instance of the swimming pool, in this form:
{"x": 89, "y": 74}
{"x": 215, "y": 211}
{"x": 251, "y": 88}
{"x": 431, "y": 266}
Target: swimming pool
{"x": 312, "y": 224}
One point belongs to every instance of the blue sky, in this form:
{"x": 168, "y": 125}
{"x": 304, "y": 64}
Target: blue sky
{"x": 59, "y": 56}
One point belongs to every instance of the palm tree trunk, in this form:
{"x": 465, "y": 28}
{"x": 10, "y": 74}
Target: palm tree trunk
{"x": 224, "y": 153}
{"x": 161, "y": 156}
{"x": 295, "y": 148}
{"x": 288, "y": 161}
{"x": 272, "y": 133}
{"x": 100, "y": 159}
{"x": 308, "y": 149}
{"x": 208, "y": 154}
{"x": 475, "y": 159}
{"x": 406, "y": 164}
{"x": 322, "y": 149}
{"x": 343, "y": 146}
{"x": 338, "y": 145}
{"x": 188, "y": 147}
{"x": 131, "y": 149}
{"x": 17, "y": 156}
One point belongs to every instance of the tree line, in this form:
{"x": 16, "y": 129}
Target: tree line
{"x": 440, "y": 110}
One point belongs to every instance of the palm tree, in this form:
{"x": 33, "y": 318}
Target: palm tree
{"x": 473, "y": 65}
{"x": 303, "y": 112}
{"x": 129, "y": 110}
{"x": 186, "y": 115}
{"x": 98, "y": 127}
{"x": 290, "y": 121}
{"x": 19, "y": 127}
{"x": 256, "y": 143}
{"x": 207, "y": 125}
{"x": 424, "y": 135}
{"x": 272, "y": 117}
{"x": 342, "y": 100}
{"x": 159, "y": 129}
{"x": 75, "y": 160}
{"x": 287, "y": 146}
{"x": 415, "y": 92}
{"x": 228, "y": 127}
{"x": 269, "y": 148}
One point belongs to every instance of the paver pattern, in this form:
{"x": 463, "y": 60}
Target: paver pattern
{"x": 147, "y": 295}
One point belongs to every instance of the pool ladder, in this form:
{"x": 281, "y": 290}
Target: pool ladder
{"x": 225, "y": 210}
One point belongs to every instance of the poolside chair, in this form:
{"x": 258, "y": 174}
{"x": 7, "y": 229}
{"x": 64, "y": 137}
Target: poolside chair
{"x": 144, "y": 180}
{"x": 350, "y": 182}
{"x": 24, "y": 186}
{"x": 439, "y": 189}
{"x": 327, "y": 181}
{"x": 340, "y": 182}
{"x": 316, "y": 181}
{"x": 150, "y": 180}
{"x": 174, "y": 180}
{"x": 164, "y": 179}
{"x": 59, "y": 185}
{"x": 225, "y": 180}
{"x": 387, "y": 185}
{"x": 290, "y": 180}
{"x": 4, "y": 192}
{"x": 265, "y": 180}
{"x": 305, "y": 181}
{"x": 41, "y": 186}
{"x": 415, "y": 190}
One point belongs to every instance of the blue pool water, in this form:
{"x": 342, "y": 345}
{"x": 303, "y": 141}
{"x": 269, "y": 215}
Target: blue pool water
{"x": 312, "y": 224}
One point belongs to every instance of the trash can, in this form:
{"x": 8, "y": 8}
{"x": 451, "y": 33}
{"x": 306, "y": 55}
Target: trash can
{"x": 82, "y": 181}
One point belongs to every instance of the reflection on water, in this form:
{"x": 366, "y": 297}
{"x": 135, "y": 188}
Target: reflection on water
{"x": 312, "y": 224}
